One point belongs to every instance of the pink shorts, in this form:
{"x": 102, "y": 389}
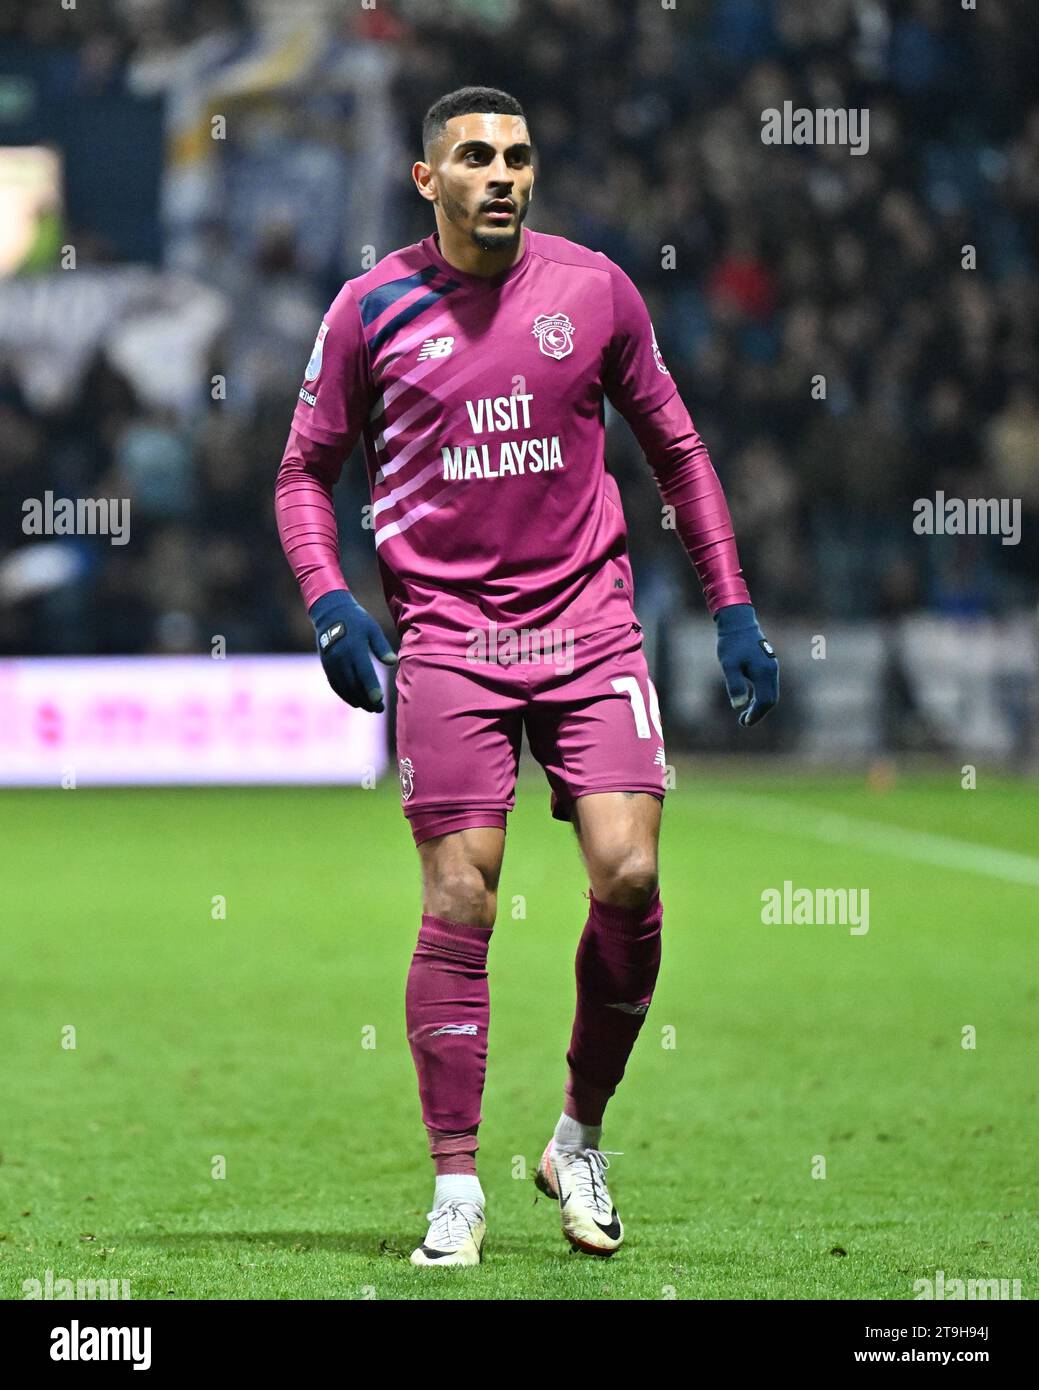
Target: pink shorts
{"x": 589, "y": 708}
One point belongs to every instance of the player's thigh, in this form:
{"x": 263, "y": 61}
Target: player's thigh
{"x": 619, "y": 834}
{"x": 597, "y": 733}
{"x": 459, "y": 730}
{"x": 460, "y": 873}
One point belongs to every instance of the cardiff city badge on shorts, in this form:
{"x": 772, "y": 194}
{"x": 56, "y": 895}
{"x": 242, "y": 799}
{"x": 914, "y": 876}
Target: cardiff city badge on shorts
{"x": 555, "y": 335}
{"x": 314, "y": 365}
{"x": 407, "y": 779}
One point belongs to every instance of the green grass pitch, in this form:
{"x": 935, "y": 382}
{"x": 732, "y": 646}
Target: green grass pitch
{"x": 766, "y": 1047}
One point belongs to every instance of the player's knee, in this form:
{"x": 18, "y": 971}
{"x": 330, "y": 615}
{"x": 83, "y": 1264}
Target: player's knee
{"x": 631, "y": 883}
{"x": 461, "y": 892}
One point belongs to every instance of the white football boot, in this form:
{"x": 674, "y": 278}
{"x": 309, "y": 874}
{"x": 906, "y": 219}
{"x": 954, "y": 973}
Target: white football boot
{"x": 455, "y": 1235}
{"x": 576, "y": 1179}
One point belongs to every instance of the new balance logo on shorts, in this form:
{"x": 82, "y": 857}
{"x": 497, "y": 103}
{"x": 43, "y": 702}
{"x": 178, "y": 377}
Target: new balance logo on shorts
{"x": 436, "y": 347}
{"x": 469, "y": 1029}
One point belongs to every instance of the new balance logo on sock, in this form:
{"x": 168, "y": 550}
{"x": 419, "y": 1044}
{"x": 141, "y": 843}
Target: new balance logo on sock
{"x": 629, "y": 1008}
{"x": 468, "y": 1028}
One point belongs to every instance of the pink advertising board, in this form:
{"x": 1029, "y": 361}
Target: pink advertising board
{"x": 130, "y": 721}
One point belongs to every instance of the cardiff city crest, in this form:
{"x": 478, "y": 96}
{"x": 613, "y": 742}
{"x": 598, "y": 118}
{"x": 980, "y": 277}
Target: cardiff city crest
{"x": 407, "y": 779}
{"x": 314, "y": 365}
{"x": 554, "y": 333}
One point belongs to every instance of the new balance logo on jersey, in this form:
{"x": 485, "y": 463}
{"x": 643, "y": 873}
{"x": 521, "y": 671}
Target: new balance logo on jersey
{"x": 659, "y": 759}
{"x": 436, "y": 347}
{"x": 469, "y": 1029}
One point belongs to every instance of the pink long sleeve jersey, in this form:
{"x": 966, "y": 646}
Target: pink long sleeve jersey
{"x": 481, "y": 406}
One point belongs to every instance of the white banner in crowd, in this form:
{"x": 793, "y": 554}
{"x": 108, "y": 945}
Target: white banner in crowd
{"x": 108, "y": 721}
{"x": 156, "y": 328}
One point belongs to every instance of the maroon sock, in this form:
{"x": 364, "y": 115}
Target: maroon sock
{"x": 618, "y": 959}
{"x": 447, "y": 1006}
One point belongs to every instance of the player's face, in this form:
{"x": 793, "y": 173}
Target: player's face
{"x": 484, "y": 177}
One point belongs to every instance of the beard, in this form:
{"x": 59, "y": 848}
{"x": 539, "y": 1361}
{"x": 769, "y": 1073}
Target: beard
{"x": 488, "y": 240}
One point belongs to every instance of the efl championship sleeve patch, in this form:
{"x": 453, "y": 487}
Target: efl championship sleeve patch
{"x": 314, "y": 365}
{"x": 657, "y": 357}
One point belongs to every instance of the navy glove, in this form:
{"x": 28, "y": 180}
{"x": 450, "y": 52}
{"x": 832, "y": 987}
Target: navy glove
{"x": 747, "y": 657}
{"x": 346, "y": 638}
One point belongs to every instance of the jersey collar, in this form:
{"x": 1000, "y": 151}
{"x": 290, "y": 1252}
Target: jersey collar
{"x": 431, "y": 246}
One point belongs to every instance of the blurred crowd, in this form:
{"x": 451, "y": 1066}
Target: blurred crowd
{"x": 849, "y": 332}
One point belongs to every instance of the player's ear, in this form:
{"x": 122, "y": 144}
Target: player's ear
{"x": 425, "y": 180}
